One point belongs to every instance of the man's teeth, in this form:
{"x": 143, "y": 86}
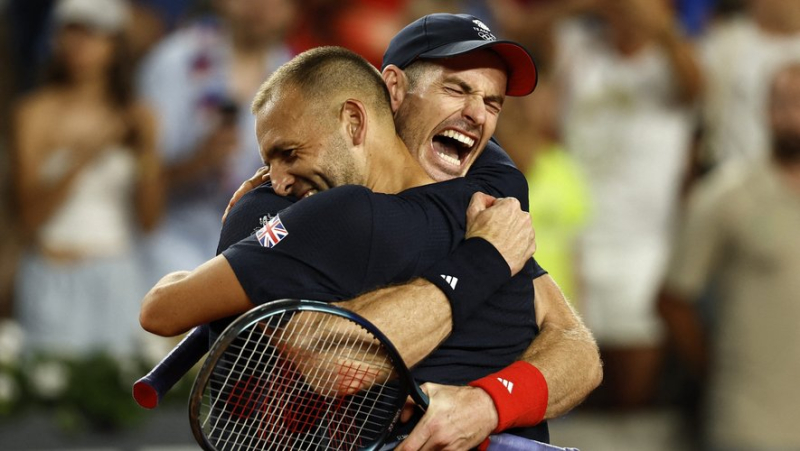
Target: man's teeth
{"x": 309, "y": 193}
{"x": 463, "y": 139}
{"x": 449, "y": 159}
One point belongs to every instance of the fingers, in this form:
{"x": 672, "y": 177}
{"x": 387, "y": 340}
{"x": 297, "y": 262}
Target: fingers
{"x": 408, "y": 410}
{"x": 478, "y": 203}
{"x": 458, "y": 418}
{"x": 418, "y": 437}
{"x": 506, "y": 226}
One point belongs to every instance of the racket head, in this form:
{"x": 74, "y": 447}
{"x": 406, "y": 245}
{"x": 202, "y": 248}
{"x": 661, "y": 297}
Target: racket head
{"x": 282, "y": 376}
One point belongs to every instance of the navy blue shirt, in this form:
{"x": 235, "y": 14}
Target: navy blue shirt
{"x": 346, "y": 241}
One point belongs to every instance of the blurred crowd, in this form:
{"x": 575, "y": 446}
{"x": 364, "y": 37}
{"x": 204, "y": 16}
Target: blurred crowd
{"x": 662, "y": 149}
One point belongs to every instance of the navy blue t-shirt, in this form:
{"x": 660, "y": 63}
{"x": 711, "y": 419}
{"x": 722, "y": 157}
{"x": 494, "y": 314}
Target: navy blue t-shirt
{"x": 346, "y": 241}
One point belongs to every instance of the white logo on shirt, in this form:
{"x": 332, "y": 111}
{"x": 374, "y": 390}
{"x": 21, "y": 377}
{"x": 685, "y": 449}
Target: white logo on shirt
{"x": 452, "y": 281}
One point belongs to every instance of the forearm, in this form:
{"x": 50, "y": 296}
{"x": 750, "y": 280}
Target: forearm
{"x": 416, "y": 316}
{"x": 149, "y": 191}
{"x": 41, "y": 194}
{"x": 570, "y": 362}
{"x": 685, "y": 330}
{"x": 564, "y": 351}
{"x": 183, "y": 174}
{"x": 183, "y": 300}
{"x": 684, "y": 64}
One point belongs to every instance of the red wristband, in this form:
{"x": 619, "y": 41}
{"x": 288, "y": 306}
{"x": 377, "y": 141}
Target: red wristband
{"x": 519, "y": 392}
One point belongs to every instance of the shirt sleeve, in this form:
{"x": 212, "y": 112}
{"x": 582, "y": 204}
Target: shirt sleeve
{"x": 495, "y": 174}
{"x": 316, "y": 249}
{"x": 252, "y": 211}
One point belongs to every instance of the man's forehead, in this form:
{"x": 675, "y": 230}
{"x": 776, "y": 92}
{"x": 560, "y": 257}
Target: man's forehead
{"x": 482, "y": 67}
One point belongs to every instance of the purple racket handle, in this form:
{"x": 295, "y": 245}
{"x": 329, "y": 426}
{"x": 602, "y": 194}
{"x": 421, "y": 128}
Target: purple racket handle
{"x": 149, "y": 390}
{"x": 508, "y": 442}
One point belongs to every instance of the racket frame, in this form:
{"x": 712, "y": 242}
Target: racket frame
{"x": 407, "y": 385}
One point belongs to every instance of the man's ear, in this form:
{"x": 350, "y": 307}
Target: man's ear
{"x": 353, "y": 118}
{"x": 397, "y": 83}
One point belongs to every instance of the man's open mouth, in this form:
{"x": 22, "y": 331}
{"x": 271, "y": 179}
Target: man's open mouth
{"x": 452, "y": 146}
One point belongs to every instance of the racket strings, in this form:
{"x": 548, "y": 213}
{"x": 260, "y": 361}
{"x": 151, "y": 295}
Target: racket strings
{"x": 298, "y": 385}
{"x": 231, "y": 429}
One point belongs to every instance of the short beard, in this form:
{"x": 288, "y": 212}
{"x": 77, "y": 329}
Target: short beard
{"x": 786, "y": 147}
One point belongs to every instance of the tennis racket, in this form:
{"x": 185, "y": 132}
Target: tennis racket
{"x": 296, "y": 374}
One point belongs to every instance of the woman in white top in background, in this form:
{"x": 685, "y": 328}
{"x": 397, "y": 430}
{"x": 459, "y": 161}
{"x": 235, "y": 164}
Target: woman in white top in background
{"x": 88, "y": 180}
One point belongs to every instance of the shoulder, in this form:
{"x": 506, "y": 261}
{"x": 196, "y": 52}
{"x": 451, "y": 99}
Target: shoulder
{"x": 349, "y": 203}
{"x": 495, "y": 173}
{"x": 44, "y": 98}
{"x": 37, "y": 107}
{"x": 252, "y": 211}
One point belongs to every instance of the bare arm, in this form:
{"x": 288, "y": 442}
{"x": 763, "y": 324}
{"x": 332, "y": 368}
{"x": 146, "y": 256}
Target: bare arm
{"x": 182, "y": 300}
{"x": 686, "y": 330}
{"x": 209, "y": 156}
{"x": 564, "y": 351}
{"x": 658, "y": 20}
{"x": 416, "y": 316}
{"x": 149, "y": 196}
{"x": 684, "y": 63}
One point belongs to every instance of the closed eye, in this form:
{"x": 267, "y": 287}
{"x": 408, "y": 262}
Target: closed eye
{"x": 494, "y": 107}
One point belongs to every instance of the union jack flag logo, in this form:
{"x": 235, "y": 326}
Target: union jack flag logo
{"x": 272, "y": 233}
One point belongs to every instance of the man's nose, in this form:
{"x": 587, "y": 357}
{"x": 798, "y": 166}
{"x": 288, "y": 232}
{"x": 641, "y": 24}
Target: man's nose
{"x": 282, "y": 181}
{"x": 474, "y": 110}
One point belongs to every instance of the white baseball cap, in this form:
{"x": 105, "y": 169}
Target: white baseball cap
{"x": 109, "y": 16}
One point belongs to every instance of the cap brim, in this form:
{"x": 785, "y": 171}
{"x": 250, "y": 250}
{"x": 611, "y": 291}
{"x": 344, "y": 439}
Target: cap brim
{"x": 522, "y": 73}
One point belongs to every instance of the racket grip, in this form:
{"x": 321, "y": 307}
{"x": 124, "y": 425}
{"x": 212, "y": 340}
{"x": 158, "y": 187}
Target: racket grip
{"x": 149, "y": 390}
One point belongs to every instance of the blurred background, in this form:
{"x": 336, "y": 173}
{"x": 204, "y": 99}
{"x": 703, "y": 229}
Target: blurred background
{"x": 661, "y": 150}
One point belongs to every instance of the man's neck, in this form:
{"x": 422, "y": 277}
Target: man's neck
{"x": 393, "y": 169}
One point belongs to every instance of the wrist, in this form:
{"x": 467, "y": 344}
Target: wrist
{"x": 469, "y": 276}
{"x": 519, "y": 394}
{"x": 485, "y": 408}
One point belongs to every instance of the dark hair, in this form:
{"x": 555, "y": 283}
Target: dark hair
{"x": 119, "y": 76}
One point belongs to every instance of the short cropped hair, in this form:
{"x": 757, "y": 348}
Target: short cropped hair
{"x": 416, "y": 71}
{"x": 324, "y": 71}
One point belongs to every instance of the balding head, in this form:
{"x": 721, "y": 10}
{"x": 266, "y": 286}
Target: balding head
{"x": 324, "y": 76}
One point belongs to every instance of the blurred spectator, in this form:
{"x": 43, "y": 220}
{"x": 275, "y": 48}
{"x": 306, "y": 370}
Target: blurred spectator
{"x": 630, "y": 82}
{"x": 738, "y": 55}
{"x": 364, "y": 26}
{"x": 530, "y": 132}
{"x": 741, "y": 229}
{"x": 201, "y": 80}
{"x": 146, "y": 28}
{"x": 87, "y": 175}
